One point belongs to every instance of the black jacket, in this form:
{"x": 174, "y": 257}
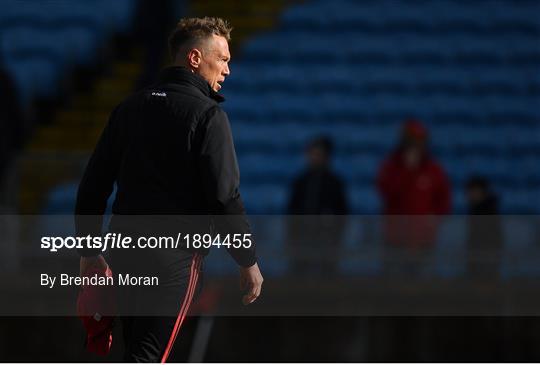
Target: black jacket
{"x": 170, "y": 151}
{"x": 318, "y": 192}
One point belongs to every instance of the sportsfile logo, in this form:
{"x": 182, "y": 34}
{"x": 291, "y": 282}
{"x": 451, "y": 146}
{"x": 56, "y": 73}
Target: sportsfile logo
{"x": 157, "y": 93}
{"x": 119, "y": 240}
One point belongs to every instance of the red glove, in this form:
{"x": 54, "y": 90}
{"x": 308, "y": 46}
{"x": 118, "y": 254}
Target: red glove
{"x": 96, "y": 306}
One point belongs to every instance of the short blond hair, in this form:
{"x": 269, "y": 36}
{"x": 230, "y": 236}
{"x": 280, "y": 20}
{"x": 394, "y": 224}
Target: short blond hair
{"x": 190, "y": 31}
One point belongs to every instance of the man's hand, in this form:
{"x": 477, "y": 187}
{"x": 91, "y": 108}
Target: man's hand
{"x": 89, "y": 262}
{"x": 250, "y": 281}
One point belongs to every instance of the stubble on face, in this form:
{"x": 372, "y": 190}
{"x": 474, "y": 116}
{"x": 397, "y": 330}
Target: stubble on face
{"x": 214, "y": 66}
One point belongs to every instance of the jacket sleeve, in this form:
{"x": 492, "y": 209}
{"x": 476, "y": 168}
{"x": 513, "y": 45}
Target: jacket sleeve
{"x": 96, "y": 186}
{"x": 221, "y": 179}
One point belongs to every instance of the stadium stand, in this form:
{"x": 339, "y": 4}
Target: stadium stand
{"x": 352, "y": 70}
{"x": 42, "y": 40}
{"x": 356, "y": 70}
{"x": 43, "y": 44}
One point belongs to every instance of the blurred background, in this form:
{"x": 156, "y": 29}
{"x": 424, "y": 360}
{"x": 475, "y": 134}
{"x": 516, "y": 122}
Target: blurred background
{"x": 361, "y": 108}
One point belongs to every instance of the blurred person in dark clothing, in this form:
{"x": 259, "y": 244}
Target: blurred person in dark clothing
{"x": 485, "y": 237}
{"x": 414, "y": 189}
{"x": 481, "y": 200}
{"x": 314, "y": 242}
{"x": 11, "y": 121}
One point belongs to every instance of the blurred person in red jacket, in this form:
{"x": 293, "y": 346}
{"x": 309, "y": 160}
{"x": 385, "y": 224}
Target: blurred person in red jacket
{"x": 415, "y": 190}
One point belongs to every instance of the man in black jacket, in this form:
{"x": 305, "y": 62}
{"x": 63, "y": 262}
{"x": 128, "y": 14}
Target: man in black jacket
{"x": 170, "y": 152}
{"x": 484, "y": 232}
{"x": 314, "y": 242}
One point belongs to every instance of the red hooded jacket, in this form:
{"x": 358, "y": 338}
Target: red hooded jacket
{"x": 417, "y": 196}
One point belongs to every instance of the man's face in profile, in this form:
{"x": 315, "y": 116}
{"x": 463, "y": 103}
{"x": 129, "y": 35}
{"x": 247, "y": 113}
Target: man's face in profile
{"x": 214, "y": 65}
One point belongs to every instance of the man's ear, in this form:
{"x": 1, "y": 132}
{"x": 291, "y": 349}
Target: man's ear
{"x": 194, "y": 58}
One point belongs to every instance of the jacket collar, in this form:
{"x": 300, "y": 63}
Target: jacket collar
{"x": 181, "y": 75}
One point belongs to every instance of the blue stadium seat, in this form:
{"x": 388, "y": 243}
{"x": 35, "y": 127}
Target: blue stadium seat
{"x": 265, "y": 199}
{"x": 20, "y": 40}
{"x": 81, "y": 42}
{"x": 520, "y": 201}
{"x": 61, "y": 200}
{"x": 359, "y": 168}
{"x": 521, "y": 255}
{"x": 34, "y": 76}
{"x": 264, "y": 167}
{"x": 450, "y": 248}
{"x": 48, "y": 38}
{"x": 364, "y": 200}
